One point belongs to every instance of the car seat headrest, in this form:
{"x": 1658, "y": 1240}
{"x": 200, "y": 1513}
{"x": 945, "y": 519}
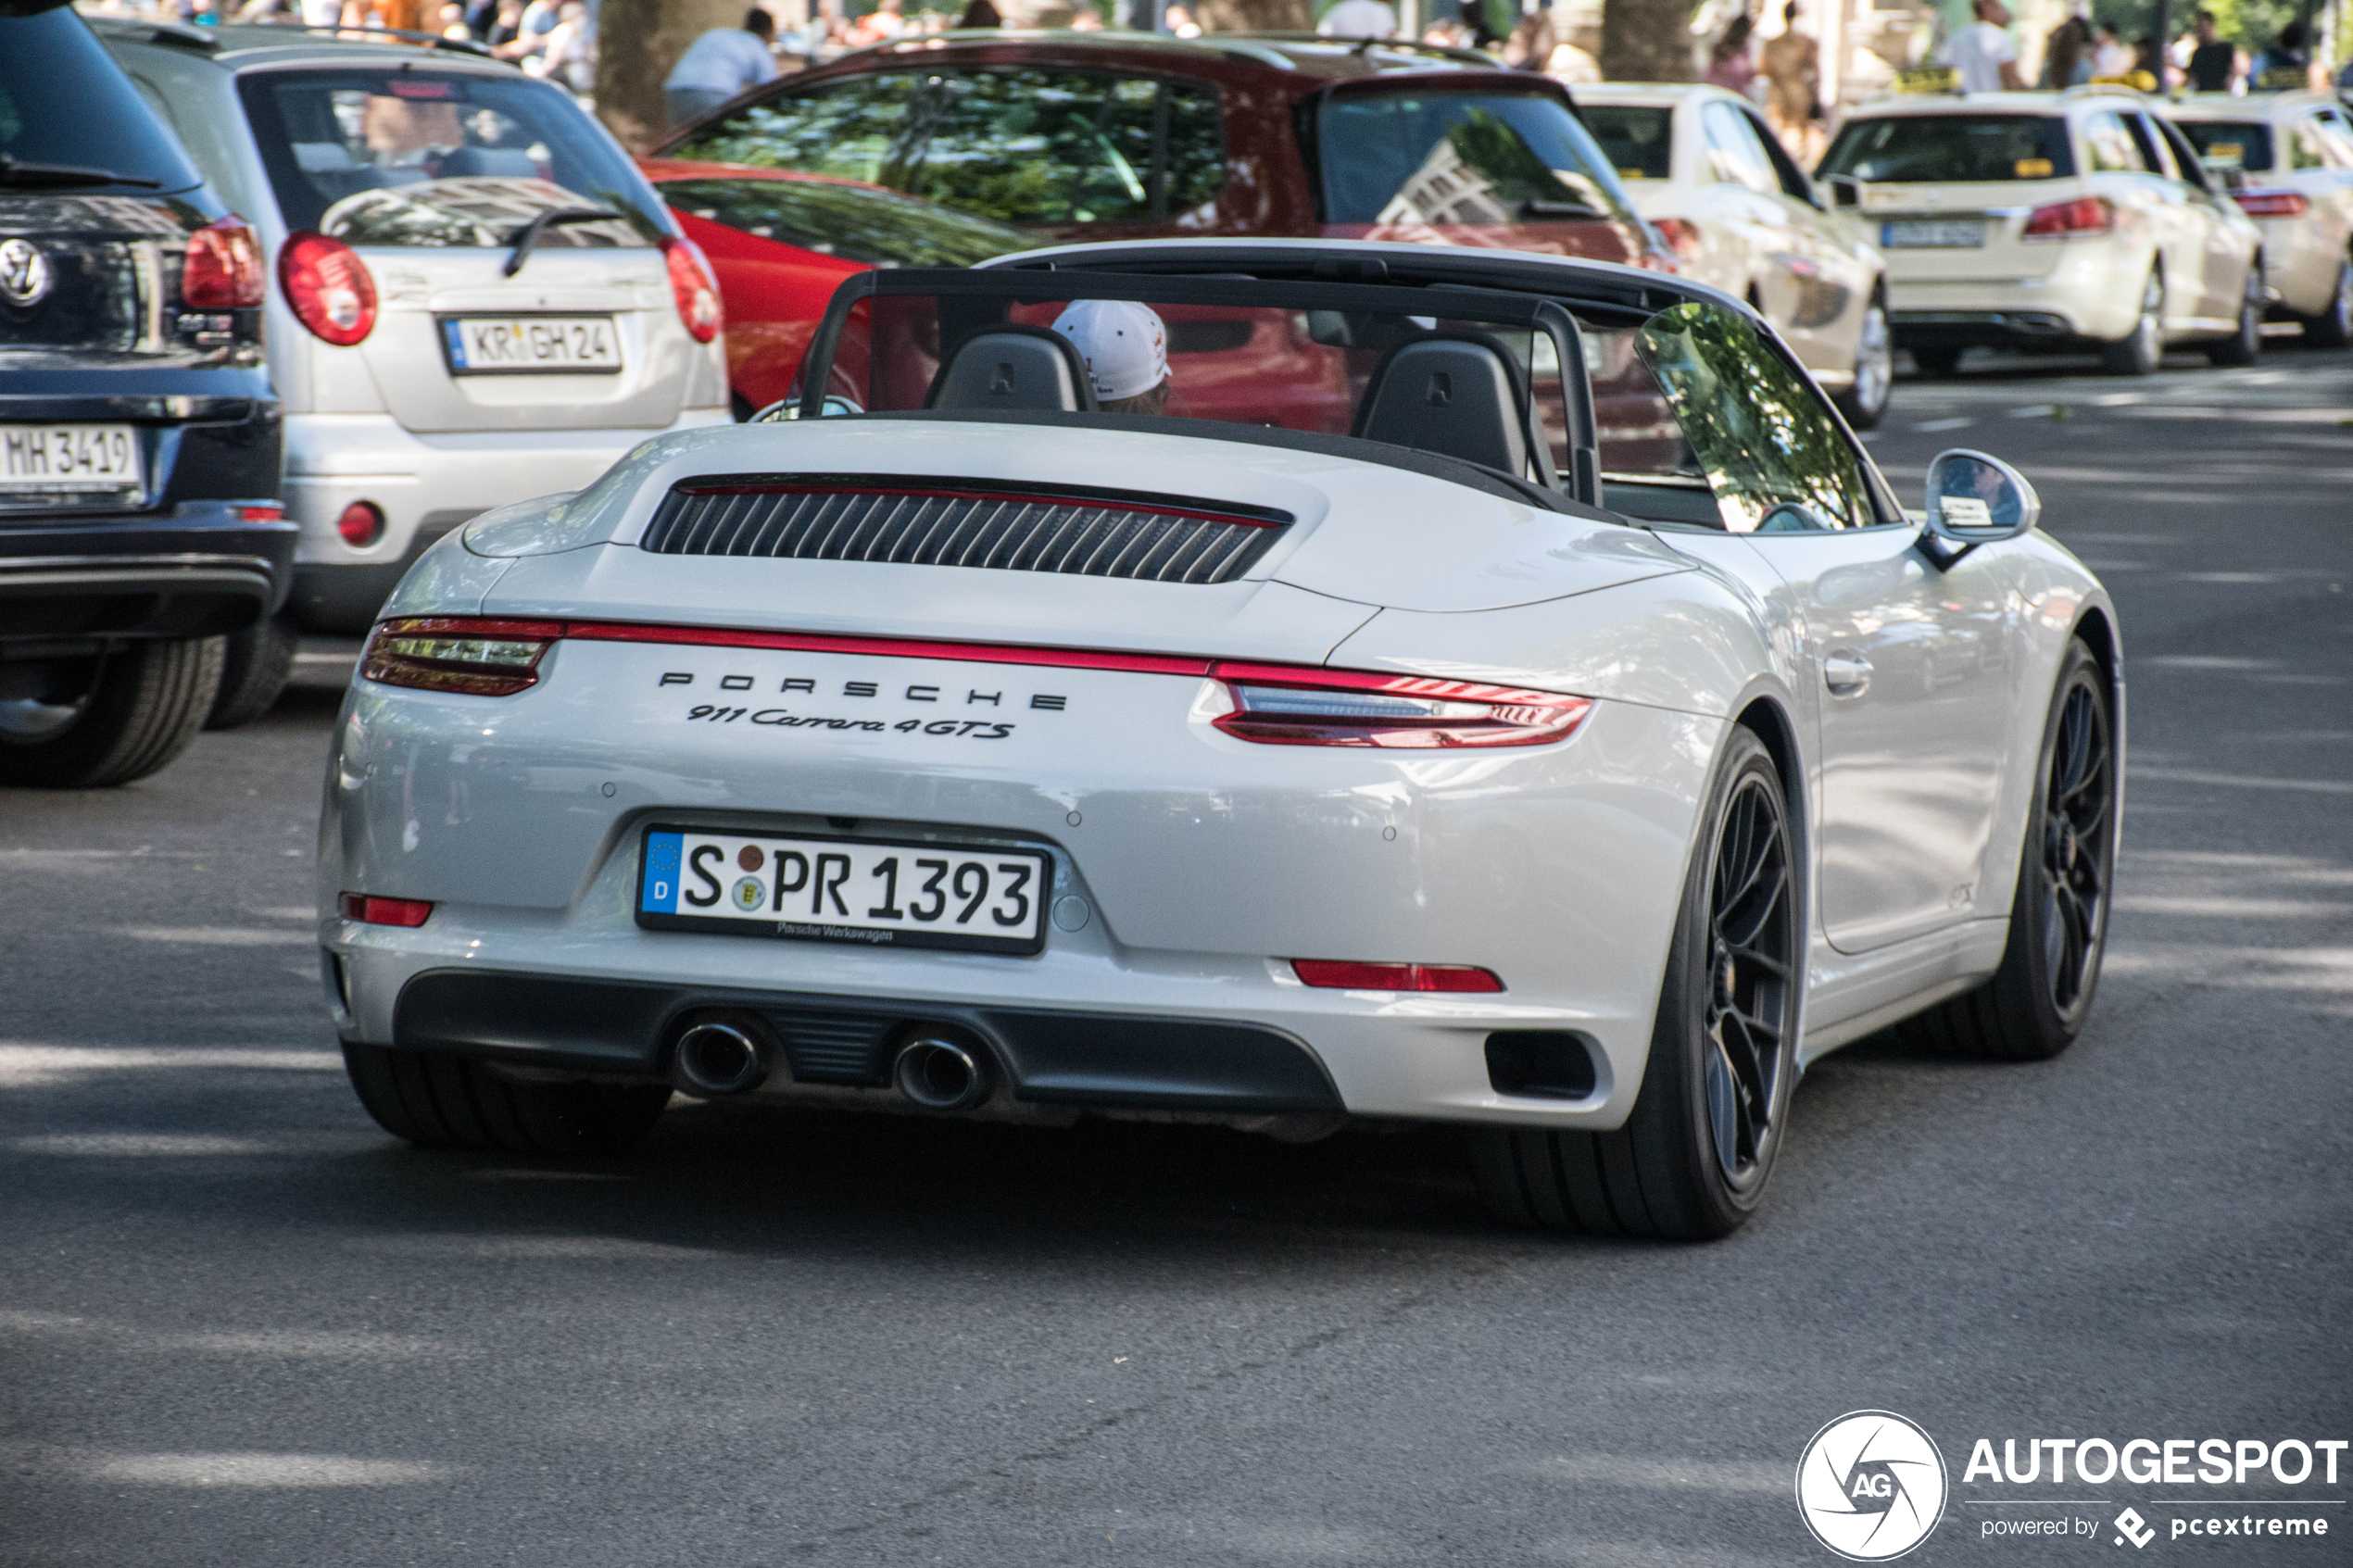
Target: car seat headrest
{"x": 1014, "y": 369}
{"x": 1459, "y": 396}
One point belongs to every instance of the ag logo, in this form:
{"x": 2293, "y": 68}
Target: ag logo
{"x": 24, "y": 272}
{"x": 1871, "y": 1485}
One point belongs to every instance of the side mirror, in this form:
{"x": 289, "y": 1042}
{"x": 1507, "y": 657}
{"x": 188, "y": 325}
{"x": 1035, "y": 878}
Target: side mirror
{"x": 1977, "y": 499}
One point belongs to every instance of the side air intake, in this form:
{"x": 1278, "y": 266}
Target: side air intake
{"x": 966, "y": 524}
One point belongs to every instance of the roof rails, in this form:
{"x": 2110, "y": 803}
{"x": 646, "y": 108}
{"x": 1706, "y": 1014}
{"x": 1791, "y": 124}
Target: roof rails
{"x": 380, "y": 35}
{"x": 1361, "y": 45}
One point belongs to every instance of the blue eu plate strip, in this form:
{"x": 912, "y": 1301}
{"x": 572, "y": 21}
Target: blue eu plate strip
{"x": 455, "y": 337}
{"x": 658, "y": 894}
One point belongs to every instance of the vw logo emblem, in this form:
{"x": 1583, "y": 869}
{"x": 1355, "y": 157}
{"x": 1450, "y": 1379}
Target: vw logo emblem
{"x": 24, "y": 272}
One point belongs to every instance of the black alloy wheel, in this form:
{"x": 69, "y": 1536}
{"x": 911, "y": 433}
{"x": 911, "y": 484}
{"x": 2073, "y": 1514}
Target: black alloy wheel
{"x": 2039, "y": 999}
{"x": 1692, "y": 1158}
{"x": 1749, "y": 965}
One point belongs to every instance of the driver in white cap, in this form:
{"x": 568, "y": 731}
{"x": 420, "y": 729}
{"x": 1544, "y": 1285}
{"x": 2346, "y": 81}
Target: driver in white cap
{"x": 1125, "y": 347}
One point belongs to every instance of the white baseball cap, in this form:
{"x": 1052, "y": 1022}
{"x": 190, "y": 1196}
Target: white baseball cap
{"x": 1125, "y": 345}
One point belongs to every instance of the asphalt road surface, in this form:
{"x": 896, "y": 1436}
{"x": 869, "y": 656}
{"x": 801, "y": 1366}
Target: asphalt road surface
{"x": 240, "y": 1326}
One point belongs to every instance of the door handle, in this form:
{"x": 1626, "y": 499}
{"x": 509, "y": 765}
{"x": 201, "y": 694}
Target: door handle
{"x": 1846, "y": 673}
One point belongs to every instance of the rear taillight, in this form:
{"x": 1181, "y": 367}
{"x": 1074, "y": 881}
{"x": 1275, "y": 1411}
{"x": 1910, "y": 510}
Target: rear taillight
{"x": 328, "y": 288}
{"x": 223, "y": 269}
{"x": 2067, "y": 220}
{"x": 262, "y": 511}
{"x": 2273, "y": 204}
{"x": 693, "y": 288}
{"x": 1682, "y": 236}
{"x": 369, "y": 909}
{"x": 1337, "y": 975}
{"x": 1277, "y": 705}
{"x": 478, "y": 657}
{"x": 360, "y": 524}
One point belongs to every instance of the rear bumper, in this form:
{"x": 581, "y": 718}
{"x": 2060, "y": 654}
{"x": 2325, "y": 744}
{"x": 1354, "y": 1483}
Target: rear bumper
{"x": 196, "y": 571}
{"x": 424, "y": 485}
{"x": 1047, "y": 1056}
{"x": 2091, "y": 290}
{"x": 1972, "y": 329}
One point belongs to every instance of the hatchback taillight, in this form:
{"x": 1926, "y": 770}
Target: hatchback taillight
{"x": 696, "y": 291}
{"x": 1278, "y": 705}
{"x": 2070, "y": 220}
{"x": 2273, "y": 204}
{"x": 328, "y": 288}
{"x": 443, "y": 654}
{"x": 223, "y": 268}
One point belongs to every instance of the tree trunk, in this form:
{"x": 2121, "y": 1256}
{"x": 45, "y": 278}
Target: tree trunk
{"x": 637, "y": 42}
{"x": 1255, "y": 16}
{"x": 1644, "y": 41}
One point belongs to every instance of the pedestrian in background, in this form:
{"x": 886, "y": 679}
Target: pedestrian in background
{"x": 1728, "y": 66}
{"x": 980, "y": 13}
{"x": 1981, "y": 54}
{"x": 2114, "y": 57}
{"x": 2286, "y": 56}
{"x": 2213, "y": 62}
{"x": 2067, "y": 55}
{"x": 1793, "y": 101}
{"x": 722, "y": 63}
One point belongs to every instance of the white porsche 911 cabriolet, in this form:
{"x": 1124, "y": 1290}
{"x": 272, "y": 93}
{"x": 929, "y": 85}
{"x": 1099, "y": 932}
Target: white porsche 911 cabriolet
{"x": 1262, "y": 683}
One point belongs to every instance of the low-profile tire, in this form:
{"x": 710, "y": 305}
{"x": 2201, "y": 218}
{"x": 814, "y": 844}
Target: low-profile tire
{"x": 141, "y": 705}
{"x": 2244, "y": 346}
{"x": 444, "y": 1101}
{"x": 2142, "y": 350}
{"x": 2037, "y": 1001}
{"x": 1692, "y": 1161}
{"x": 1865, "y": 400}
{"x": 2333, "y": 328}
{"x": 254, "y": 667}
{"x": 1942, "y": 359}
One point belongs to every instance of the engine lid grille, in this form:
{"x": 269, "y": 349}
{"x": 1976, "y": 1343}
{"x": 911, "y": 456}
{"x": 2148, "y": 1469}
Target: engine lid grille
{"x": 1139, "y": 537}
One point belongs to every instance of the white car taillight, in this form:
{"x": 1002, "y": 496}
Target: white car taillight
{"x": 328, "y": 288}
{"x": 2074, "y": 219}
{"x": 696, "y": 291}
{"x": 2273, "y": 204}
{"x": 442, "y": 654}
{"x": 1279, "y": 705}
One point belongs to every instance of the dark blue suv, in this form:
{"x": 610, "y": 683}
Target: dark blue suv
{"x": 141, "y": 540}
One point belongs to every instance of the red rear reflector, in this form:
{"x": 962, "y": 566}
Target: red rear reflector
{"x": 1339, "y": 974}
{"x": 2273, "y": 204}
{"x": 223, "y": 268}
{"x": 369, "y": 909}
{"x": 361, "y": 524}
{"x": 262, "y": 514}
{"x": 477, "y": 658}
{"x": 1279, "y": 705}
{"x": 2062, "y": 220}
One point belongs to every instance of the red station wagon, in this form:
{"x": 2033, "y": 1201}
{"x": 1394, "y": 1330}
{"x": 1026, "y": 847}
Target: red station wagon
{"x": 1100, "y": 136}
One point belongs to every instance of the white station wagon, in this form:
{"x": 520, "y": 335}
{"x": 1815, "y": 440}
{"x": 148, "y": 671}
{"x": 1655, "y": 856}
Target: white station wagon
{"x": 477, "y": 298}
{"x": 2038, "y": 220}
{"x": 2294, "y": 152}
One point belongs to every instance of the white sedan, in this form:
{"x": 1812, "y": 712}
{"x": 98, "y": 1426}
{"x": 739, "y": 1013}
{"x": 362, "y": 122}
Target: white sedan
{"x": 1702, "y": 164}
{"x": 1568, "y": 741}
{"x": 2290, "y": 159}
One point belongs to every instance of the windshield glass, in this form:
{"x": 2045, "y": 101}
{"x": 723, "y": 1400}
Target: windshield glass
{"x": 64, "y": 102}
{"x": 2230, "y": 143}
{"x": 411, "y": 157}
{"x": 1461, "y": 157}
{"x": 1937, "y": 148}
{"x": 850, "y": 221}
{"x": 1639, "y": 141}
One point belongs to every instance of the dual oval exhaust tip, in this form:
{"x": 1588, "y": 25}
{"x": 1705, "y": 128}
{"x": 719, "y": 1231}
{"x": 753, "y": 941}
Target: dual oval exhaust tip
{"x": 931, "y": 1068}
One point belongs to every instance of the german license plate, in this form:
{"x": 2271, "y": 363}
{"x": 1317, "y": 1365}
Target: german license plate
{"x": 495, "y": 345}
{"x": 72, "y": 458}
{"x": 885, "y": 895}
{"x": 1935, "y": 233}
